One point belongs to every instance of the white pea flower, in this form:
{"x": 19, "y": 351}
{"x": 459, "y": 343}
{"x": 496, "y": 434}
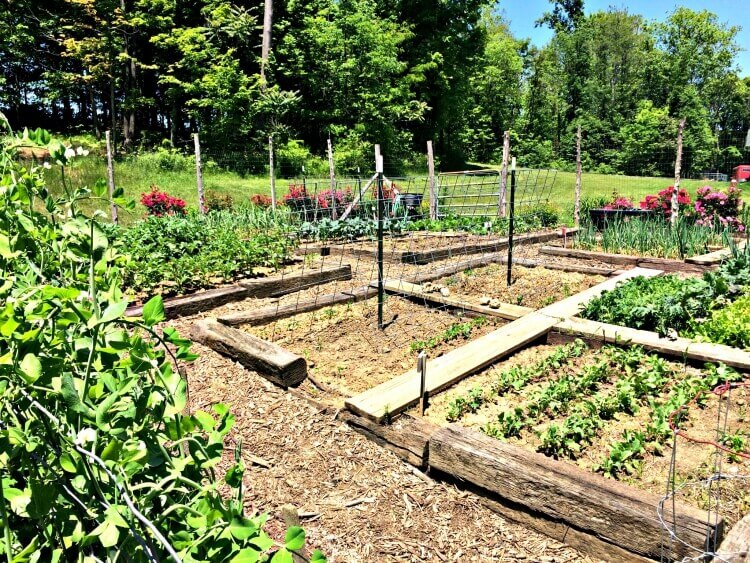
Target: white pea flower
{"x": 70, "y": 153}
{"x": 47, "y": 165}
{"x": 85, "y": 436}
{"x": 141, "y": 445}
{"x": 79, "y": 151}
{"x": 85, "y": 152}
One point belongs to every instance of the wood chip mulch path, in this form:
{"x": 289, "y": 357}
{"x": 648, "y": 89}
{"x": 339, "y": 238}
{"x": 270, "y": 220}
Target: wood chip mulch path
{"x": 357, "y": 501}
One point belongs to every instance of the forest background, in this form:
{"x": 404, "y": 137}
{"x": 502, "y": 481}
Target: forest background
{"x": 393, "y": 72}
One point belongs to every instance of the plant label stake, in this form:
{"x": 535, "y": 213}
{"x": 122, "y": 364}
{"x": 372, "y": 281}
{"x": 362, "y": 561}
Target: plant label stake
{"x": 422, "y": 369}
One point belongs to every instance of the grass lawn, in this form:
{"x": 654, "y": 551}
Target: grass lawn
{"x": 136, "y": 175}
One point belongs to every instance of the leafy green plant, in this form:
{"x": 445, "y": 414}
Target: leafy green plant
{"x": 101, "y": 455}
{"x": 624, "y": 456}
{"x": 170, "y": 255}
{"x": 453, "y": 332}
{"x": 670, "y": 303}
{"x": 515, "y": 379}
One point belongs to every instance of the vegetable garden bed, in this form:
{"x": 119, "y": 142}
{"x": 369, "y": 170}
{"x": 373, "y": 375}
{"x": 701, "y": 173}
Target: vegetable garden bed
{"x": 606, "y": 410}
{"x": 423, "y": 248}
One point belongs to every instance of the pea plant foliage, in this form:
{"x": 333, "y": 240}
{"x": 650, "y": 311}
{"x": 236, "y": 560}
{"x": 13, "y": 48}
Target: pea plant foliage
{"x": 100, "y": 457}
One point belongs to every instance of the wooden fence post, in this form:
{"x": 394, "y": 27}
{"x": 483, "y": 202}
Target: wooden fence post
{"x": 677, "y": 170}
{"x": 579, "y": 173}
{"x": 272, "y": 172}
{"x": 332, "y": 172}
{"x": 433, "y": 187}
{"x": 199, "y": 174}
{"x": 504, "y": 175}
{"x": 111, "y": 177}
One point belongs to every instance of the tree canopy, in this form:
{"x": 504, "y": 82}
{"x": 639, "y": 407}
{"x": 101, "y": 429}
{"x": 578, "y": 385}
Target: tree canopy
{"x": 394, "y": 72}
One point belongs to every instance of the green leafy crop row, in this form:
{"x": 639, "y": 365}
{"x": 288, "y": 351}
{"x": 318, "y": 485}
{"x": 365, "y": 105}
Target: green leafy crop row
{"x": 514, "y": 378}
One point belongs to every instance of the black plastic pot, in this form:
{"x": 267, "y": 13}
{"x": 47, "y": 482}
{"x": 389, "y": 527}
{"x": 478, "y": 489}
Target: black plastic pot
{"x": 412, "y": 203}
{"x": 601, "y": 217}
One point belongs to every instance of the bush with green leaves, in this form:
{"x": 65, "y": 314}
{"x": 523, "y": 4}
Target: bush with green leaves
{"x": 687, "y": 306}
{"x": 101, "y": 456}
{"x": 173, "y": 254}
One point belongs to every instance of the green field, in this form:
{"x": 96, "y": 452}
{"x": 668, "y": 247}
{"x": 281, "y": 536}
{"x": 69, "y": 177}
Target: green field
{"x": 136, "y": 174}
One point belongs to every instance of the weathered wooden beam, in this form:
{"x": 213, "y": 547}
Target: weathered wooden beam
{"x": 664, "y": 264}
{"x": 736, "y": 546}
{"x": 407, "y": 437}
{"x": 679, "y": 347}
{"x": 560, "y": 531}
{"x": 276, "y": 312}
{"x": 611, "y": 511}
{"x": 394, "y": 396}
{"x": 272, "y": 286}
{"x": 622, "y": 259}
{"x": 296, "y": 281}
{"x": 406, "y": 289}
{"x": 197, "y": 302}
{"x": 268, "y": 359}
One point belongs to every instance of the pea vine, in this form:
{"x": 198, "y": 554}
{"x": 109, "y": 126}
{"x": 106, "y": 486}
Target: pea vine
{"x": 101, "y": 458}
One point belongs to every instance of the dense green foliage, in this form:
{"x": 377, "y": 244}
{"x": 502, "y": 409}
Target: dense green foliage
{"x": 178, "y": 254}
{"x": 101, "y": 455}
{"x": 709, "y": 306}
{"x": 394, "y": 72}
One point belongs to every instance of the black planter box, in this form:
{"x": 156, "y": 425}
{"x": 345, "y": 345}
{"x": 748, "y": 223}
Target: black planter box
{"x": 601, "y": 217}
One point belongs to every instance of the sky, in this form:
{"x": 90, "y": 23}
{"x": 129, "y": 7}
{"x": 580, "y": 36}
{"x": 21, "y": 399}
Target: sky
{"x": 523, "y": 13}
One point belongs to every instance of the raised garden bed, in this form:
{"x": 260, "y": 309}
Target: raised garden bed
{"x": 604, "y": 410}
{"x": 610, "y": 519}
{"x": 424, "y": 248}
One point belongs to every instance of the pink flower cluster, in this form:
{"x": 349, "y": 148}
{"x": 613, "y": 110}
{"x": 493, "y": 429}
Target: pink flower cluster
{"x": 297, "y": 192}
{"x": 715, "y": 207}
{"x": 619, "y": 202}
{"x": 663, "y": 201}
{"x": 326, "y": 198}
{"x": 158, "y": 203}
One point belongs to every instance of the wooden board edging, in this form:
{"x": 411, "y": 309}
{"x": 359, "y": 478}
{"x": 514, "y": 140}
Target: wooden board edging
{"x": 609, "y": 510}
{"x": 665, "y": 264}
{"x": 272, "y": 286}
{"x": 396, "y": 395}
{"x": 269, "y": 360}
{"x": 296, "y": 281}
{"x": 196, "y": 302}
{"x": 407, "y": 437}
{"x": 685, "y": 348}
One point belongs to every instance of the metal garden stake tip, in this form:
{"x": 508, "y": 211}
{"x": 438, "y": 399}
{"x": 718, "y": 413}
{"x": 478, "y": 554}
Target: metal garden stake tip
{"x": 422, "y": 369}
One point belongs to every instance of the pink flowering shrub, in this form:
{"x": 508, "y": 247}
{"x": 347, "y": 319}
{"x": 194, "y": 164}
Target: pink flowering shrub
{"x": 158, "y": 203}
{"x": 716, "y": 208}
{"x": 619, "y": 202}
{"x": 326, "y": 198}
{"x": 663, "y": 202}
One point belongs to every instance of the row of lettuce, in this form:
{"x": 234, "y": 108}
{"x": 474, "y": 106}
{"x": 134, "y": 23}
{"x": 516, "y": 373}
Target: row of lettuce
{"x": 102, "y": 457}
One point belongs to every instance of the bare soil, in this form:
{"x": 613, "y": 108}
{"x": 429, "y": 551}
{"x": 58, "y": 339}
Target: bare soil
{"x": 346, "y": 351}
{"x": 531, "y": 287}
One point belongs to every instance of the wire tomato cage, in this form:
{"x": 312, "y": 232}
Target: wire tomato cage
{"x": 712, "y": 485}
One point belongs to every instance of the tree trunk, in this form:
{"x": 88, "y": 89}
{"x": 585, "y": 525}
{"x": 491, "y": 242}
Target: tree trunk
{"x": 266, "y": 45}
{"x": 94, "y": 116}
